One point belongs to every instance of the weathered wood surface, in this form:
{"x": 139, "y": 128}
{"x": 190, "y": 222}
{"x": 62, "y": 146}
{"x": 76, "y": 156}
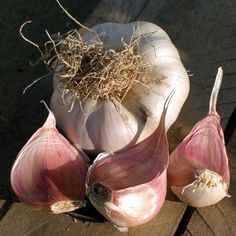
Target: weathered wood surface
{"x": 121, "y": 11}
{"x": 26, "y": 221}
{"x": 205, "y": 34}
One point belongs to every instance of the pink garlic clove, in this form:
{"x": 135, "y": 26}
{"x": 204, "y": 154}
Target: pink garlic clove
{"x": 49, "y": 173}
{"x": 198, "y": 171}
{"x": 129, "y": 187}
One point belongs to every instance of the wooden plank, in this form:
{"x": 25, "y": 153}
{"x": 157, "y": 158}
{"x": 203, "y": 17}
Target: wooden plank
{"x": 27, "y": 221}
{"x": 187, "y": 233}
{"x": 21, "y": 219}
{"x": 121, "y": 11}
{"x": 232, "y": 145}
{"x": 199, "y": 226}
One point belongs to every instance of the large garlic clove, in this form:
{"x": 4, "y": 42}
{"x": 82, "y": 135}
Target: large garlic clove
{"x": 198, "y": 172}
{"x": 141, "y": 108}
{"x": 49, "y": 173}
{"x": 119, "y": 185}
{"x": 91, "y": 124}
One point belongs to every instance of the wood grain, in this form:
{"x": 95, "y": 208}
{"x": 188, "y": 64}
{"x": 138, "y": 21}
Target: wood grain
{"x": 121, "y": 11}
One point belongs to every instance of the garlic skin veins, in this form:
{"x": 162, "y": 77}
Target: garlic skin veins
{"x": 129, "y": 187}
{"x": 198, "y": 172}
{"x": 49, "y": 173}
{"x": 139, "y": 113}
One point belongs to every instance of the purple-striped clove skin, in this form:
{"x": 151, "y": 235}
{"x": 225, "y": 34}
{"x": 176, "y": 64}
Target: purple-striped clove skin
{"x": 129, "y": 187}
{"x": 49, "y": 173}
{"x": 198, "y": 171}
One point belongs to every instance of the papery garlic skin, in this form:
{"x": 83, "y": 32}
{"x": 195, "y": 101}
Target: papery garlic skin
{"x": 139, "y": 114}
{"x": 49, "y": 173}
{"x": 198, "y": 172}
{"x": 129, "y": 187}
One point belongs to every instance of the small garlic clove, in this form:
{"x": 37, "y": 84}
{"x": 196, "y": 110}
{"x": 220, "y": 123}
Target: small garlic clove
{"x": 49, "y": 173}
{"x": 198, "y": 172}
{"x": 119, "y": 185}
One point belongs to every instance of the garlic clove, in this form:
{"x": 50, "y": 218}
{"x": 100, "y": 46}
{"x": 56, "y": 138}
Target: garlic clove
{"x": 49, "y": 173}
{"x": 202, "y": 148}
{"x": 119, "y": 184}
{"x": 198, "y": 171}
{"x": 81, "y": 123}
{"x": 151, "y": 98}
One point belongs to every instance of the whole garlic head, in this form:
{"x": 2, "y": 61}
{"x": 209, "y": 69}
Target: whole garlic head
{"x": 88, "y": 122}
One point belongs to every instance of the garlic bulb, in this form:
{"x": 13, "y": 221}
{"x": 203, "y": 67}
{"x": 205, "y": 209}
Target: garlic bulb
{"x": 88, "y": 122}
{"x": 198, "y": 172}
{"x": 49, "y": 173}
{"x": 129, "y": 187}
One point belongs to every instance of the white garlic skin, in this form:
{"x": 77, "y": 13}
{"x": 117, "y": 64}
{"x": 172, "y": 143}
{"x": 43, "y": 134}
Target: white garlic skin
{"x": 142, "y": 106}
{"x": 207, "y": 189}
